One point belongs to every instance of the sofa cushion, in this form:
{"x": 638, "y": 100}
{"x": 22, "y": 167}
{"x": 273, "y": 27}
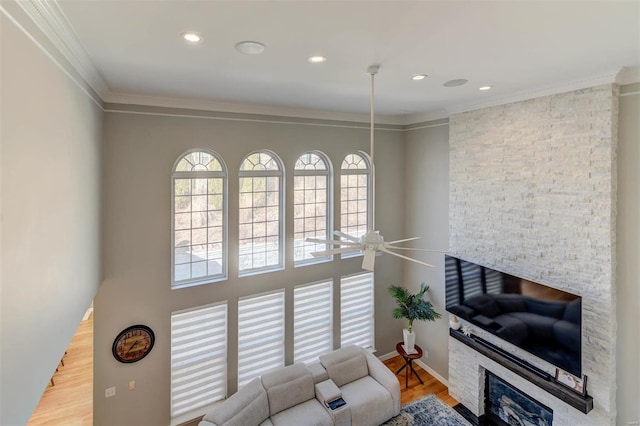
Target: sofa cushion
{"x": 288, "y": 386}
{"x": 370, "y": 403}
{"x": 345, "y": 365}
{"x": 318, "y": 372}
{"x": 248, "y": 406}
{"x": 484, "y": 305}
{"x": 310, "y": 413}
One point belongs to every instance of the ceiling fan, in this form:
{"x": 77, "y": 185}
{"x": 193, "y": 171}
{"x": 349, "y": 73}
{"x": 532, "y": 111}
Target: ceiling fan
{"x": 372, "y": 242}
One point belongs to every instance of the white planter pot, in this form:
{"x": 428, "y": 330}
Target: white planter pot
{"x": 409, "y": 341}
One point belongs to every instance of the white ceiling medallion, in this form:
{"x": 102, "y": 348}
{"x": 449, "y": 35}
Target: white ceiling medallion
{"x": 250, "y": 47}
{"x": 372, "y": 242}
{"x": 455, "y": 83}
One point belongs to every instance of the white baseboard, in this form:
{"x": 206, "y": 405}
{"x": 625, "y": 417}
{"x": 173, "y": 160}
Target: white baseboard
{"x": 424, "y": 366}
{"x": 429, "y": 370}
{"x": 387, "y": 356}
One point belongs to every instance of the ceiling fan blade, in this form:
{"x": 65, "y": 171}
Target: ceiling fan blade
{"x": 402, "y": 241}
{"x": 334, "y": 251}
{"x": 369, "y": 260}
{"x": 332, "y": 242}
{"x": 404, "y": 257}
{"x": 389, "y": 246}
{"x": 346, "y": 236}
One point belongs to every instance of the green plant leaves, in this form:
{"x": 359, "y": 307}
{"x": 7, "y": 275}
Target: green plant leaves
{"x": 412, "y": 306}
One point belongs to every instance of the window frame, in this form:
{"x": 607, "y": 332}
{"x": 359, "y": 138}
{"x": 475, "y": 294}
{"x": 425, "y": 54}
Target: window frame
{"x": 223, "y": 174}
{"x": 281, "y": 210}
{"x": 367, "y": 172}
{"x": 328, "y": 173}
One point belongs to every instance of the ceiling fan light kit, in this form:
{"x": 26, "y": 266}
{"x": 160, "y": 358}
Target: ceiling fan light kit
{"x": 371, "y": 243}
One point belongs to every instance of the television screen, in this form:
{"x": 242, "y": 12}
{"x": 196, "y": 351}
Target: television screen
{"x": 542, "y": 320}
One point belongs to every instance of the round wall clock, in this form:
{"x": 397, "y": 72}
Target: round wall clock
{"x": 133, "y": 343}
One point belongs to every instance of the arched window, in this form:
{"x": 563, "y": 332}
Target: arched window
{"x": 312, "y": 205}
{"x": 260, "y": 213}
{"x": 354, "y": 194}
{"x": 199, "y": 237}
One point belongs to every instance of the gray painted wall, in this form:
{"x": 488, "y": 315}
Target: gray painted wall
{"x": 140, "y": 153}
{"x": 50, "y": 165}
{"x": 628, "y": 248}
{"x": 427, "y": 216}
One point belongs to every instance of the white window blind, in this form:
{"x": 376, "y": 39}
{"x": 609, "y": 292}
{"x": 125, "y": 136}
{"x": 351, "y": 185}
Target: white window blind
{"x": 260, "y": 334}
{"x": 312, "y": 321}
{"x": 198, "y": 357}
{"x": 356, "y": 310}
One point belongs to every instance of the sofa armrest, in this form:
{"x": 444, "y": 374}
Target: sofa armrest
{"x": 327, "y": 392}
{"x": 248, "y": 406}
{"x": 385, "y": 377}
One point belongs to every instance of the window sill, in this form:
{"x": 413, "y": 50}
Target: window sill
{"x": 194, "y": 416}
{"x": 197, "y": 283}
{"x": 260, "y": 271}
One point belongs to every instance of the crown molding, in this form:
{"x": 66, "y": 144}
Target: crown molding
{"x": 240, "y": 108}
{"x": 422, "y": 117}
{"x": 628, "y": 75}
{"x": 51, "y": 20}
{"x": 563, "y": 87}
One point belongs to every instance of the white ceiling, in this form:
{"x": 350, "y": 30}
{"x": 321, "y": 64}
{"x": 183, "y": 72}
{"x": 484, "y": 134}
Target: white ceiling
{"x": 518, "y": 47}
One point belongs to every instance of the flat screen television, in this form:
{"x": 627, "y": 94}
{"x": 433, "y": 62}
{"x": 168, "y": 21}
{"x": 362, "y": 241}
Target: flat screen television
{"x": 541, "y": 320}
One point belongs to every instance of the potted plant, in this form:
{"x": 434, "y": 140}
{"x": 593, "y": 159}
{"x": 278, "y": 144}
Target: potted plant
{"x": 412, "y": 307}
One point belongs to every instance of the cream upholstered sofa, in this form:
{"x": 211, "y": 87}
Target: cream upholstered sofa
{"x": 298, "y": 395}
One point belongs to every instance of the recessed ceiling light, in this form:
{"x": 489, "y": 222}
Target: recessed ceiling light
{"x": 456, "y": 82}
{"x": 317, "y": 59}
{"x": 191, "y": 37}
{"x": 485, "y": 88}
{"x": 419, "y": 77}
{"x": 250, "y": 47}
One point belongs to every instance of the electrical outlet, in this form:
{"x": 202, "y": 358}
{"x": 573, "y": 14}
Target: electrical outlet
{"x": 132, "y": 385}
{"x": 109, "y": 392}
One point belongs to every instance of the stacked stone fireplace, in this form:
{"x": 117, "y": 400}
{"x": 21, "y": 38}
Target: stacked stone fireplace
{"x": 533, "y": 193}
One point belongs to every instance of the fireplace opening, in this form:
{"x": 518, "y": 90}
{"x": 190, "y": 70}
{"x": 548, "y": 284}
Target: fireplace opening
{"x": 506, "y": 405}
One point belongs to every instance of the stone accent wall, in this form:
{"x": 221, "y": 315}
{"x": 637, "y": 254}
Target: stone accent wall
{"x": 533, "y": 193}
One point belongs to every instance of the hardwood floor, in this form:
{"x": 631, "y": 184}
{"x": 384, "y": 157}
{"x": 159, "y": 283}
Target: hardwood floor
{"x": 415, "y": 389}
{"x": 70, "y": 401}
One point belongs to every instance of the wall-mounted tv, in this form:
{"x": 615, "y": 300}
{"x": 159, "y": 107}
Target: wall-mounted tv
{"x": 542, "y": 320}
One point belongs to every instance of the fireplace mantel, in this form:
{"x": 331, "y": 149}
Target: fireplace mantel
{"x": 582, "y": 403}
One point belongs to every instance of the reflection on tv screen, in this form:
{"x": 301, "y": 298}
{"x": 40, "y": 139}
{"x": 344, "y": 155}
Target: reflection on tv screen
{"x": 537, "y": 318}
